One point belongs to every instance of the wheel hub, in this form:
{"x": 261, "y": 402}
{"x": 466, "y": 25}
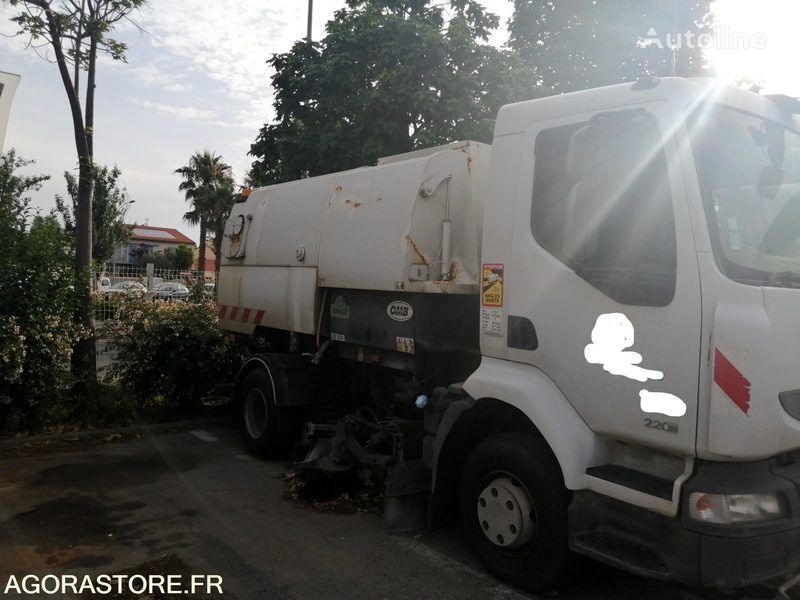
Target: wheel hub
{"x": 505, "y": 513}
{"x": 255, "y": 413}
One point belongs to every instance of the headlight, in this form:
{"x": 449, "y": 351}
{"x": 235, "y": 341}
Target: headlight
{"x": 730, "y": 509}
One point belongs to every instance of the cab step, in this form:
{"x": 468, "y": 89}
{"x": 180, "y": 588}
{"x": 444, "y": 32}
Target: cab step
{"x": 635, "y": 480}
{"x": 654, "y": 493}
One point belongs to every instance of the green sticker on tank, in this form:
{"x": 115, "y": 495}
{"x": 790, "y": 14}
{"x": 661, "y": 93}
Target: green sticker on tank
{"x": 340, "y": 309}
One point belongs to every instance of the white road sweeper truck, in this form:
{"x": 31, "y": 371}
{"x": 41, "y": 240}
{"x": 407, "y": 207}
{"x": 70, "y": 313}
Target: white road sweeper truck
{"x": 584, "y": 338}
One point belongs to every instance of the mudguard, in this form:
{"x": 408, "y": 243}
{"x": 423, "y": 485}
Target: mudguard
{"x": 528, "y": 389}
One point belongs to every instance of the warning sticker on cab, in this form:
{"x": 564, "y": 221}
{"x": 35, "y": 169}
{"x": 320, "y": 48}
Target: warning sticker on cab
{"x": 492, "y": 285}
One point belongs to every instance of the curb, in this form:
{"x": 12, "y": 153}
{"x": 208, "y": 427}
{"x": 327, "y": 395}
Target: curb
{"x": 75, "y": 436}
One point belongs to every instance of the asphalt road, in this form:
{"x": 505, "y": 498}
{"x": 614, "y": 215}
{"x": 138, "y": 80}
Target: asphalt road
{"x": 194, "y": 502}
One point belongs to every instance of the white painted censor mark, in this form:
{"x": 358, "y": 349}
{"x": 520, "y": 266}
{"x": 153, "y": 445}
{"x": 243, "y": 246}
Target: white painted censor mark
{"x": 612, "y": 335}
{"x": 660, "y": 402}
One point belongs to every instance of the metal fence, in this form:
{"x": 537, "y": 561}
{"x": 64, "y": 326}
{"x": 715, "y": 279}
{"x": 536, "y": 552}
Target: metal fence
{"x": 148, "y": 275}
{"x": 106, "y": 355}
{"x": 112, "y": 284}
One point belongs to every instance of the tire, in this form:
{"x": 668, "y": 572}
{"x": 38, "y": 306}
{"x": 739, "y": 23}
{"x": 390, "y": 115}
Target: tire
{"x": 514, "y": 510}
{"x": 267, "y": 429}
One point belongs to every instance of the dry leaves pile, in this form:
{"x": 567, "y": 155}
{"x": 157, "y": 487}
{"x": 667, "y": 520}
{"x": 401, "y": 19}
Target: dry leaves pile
{"x": 349, "y": 492}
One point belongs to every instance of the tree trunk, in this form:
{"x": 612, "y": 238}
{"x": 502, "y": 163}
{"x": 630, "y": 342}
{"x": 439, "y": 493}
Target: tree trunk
{"x": 83, "y": 217}
{"x": 87, "y": 350}
{"x": 90, "y": 85}
{"x": 218, "y": 235}
{"x": 84, "y": 353}
{"x": 76, "y": 74}
{"x": 201, "y": 257}
{"x": 84, "y": 359}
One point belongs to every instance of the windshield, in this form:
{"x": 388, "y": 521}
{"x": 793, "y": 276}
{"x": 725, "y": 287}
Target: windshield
{"x": 749, "y": 170}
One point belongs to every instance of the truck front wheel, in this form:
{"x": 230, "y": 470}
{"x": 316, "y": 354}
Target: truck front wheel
{"x": 265, "y": 428}
{"x": 514, "y": 510}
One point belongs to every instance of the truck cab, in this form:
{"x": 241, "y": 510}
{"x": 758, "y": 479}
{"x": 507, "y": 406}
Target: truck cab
{"x": 649, "y": 244}
{"x": 604, "y": 360}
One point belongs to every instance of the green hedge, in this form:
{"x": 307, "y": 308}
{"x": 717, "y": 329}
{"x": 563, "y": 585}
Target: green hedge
{"x": 37, "y": 304}
{"x": 171, "y": 351}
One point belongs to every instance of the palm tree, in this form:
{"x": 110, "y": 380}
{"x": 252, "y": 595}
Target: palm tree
{"x": 202, "y": 177}
{"x": 224, "y": 197}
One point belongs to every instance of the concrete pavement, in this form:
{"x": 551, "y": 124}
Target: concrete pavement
{"x": 195, "y": 502}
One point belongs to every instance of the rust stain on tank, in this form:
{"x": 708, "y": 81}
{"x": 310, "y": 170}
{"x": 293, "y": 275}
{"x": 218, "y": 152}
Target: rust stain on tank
{"x": 455, "y": 268}
{"x": 469, "y": 164}
{"x": 348, "y": 201}
{"x": 338, "y": 188}
{"x": 416, "y": 250}
{"x": 379, "y": 199}
{"x": 356, "y": 204}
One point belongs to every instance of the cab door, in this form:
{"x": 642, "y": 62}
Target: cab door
{"x": 603, "y": 274}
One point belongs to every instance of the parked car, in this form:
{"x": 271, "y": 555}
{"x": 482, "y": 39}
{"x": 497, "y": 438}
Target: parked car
{"x": 171, "y": 291}
{"x": 125, "y": 287}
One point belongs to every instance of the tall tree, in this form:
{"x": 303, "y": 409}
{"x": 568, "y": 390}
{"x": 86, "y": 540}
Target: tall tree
{"x": 203, "y": 176}
{"x": 574, "y": 44}
{"x": 182, "y": 257}
{"x": 389, "y": 76}
{"x": 77, "y": 32}
{"x": 110, "y": 203}
{"x": 222, "y": 202}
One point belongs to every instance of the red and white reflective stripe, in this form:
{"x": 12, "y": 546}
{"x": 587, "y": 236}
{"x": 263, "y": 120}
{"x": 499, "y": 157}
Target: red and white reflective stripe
{"x": 238, "y": 313}
{"x": 730, "y": 380}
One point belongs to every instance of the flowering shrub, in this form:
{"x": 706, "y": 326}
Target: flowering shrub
{"x": 173, "y": 350}
{"x": 12, "y": 352}
{"x": 37, "y": 304}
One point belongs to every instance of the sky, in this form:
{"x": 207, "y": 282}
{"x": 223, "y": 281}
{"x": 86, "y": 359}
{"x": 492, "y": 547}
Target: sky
{"x": 196, "y": 79}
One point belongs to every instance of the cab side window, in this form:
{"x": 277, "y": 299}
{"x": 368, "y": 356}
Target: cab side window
{"x": 602, "y": 205}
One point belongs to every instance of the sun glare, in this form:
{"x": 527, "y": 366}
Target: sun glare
{"x": 757, "y": 42}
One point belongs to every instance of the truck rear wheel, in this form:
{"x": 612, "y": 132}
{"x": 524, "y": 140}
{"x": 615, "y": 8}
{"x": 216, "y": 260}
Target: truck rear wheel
{"x": 514, "y": 511}
{"x": 266, "y": 428}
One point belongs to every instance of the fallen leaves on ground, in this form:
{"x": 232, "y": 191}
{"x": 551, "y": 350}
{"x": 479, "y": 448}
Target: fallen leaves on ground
{"x": 348, "y": 492}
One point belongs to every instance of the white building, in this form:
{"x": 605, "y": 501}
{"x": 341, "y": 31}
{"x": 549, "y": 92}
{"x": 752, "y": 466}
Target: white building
{"x": 146, "y": 239}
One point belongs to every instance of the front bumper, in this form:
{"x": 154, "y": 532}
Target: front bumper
{"x": 681, "y": 549}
